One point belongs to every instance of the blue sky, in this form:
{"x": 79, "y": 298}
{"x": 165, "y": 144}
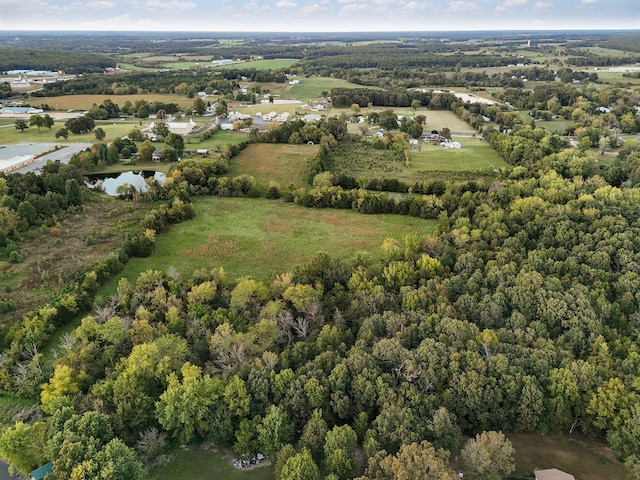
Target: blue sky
{"x": 318, "y": 15}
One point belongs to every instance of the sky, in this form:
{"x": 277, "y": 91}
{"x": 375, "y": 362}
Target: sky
{"x": 318, "y": 15}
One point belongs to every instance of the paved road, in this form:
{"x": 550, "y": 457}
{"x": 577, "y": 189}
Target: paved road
{"x": 64, "y": 155}
{"x": 4, "y": 472}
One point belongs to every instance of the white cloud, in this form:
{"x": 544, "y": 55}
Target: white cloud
{"x": 173, "y": 6}
{"x": 542, "y": 5}
{"x": 462, "y": 6}
{"x": 589, "y": 2}
{"x": 94, "y": 4}
{"x": 354, "y": 8}
{"x": 509, "y": 4}
{"x": 309, "y": 9}
{"x": 286, "y": 4}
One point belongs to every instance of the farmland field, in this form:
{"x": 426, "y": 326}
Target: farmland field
{"x": 258, "y": 238}
{"x": 284, "y": 164}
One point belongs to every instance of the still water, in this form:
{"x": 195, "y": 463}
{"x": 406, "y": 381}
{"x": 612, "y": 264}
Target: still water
{"x": 111, "y": 181}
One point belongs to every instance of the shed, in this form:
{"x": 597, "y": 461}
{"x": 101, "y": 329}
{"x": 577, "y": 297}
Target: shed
{"x": 552, "y": 474}
{"x": 40, "y": 473}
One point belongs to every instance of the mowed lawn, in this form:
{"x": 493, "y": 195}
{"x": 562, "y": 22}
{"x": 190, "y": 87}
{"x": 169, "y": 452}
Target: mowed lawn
{"x": 585, "y": 458}
{"x": 312, "y": 87}
{"x": 193, "y": 463}
{"x": 10, "y": 135}
{"x": 269, "y": 64}
{"x": 260, "y": 238}
{"x": 475, "y": 154}
{"x": 284, "y": 164}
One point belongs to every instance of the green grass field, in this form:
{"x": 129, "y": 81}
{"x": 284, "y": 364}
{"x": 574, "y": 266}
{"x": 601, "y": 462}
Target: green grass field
{"x": 218, "y": 140}
{"x": 260, "y": 238}
{"x": 284, "y": 164}
{"x": 312, "y": 87}
{"x": 475, "y": 154}
{"x": 9, "y": 135}
{"x": 436, "y": 119}
{"x": 432, "y": 161}
{"x": 558, "y": 125}
{"x": 272, "y": 64}
{"x": 585, "y": 458}
{"x": 85, "y": 102}
{"x": 193, "y": 463}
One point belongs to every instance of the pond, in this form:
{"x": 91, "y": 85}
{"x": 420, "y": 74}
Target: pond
{"x": 109, "y": 182}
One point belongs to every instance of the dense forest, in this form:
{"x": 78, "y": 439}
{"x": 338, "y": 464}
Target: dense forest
{"x": 54, "y": 60}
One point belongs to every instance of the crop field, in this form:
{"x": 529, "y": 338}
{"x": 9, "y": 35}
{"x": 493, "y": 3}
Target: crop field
{"x": 284, "y": 164}
{"x": 258, "y": 238}
{"x": 85, "y": 102}
{"x": 193, "y": 463}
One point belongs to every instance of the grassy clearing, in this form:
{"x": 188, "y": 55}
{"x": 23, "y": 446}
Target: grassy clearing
{"x": 9, "y": 135}
{"x": 430, "y": 162}
{"x": 284, "y": 164}
{"x": 271, "y": 64}
{"x": 585, "y": 458}
{"x": 54, "y": 255}
{"x": 193, "y": 463}
{"x": 218, "y": 140}
{"x": 312, "y": 87}
{"x": 11, "y": 405}
{"x": 558, "y": 125}
{"x": 260, "y": 238}
{"x": 186, "y": 65}
{"x": 436, "y": 119}
{"x": 475, "y": 154}
{"x": 85, "y": 102}
{"x": 132, "y": 67}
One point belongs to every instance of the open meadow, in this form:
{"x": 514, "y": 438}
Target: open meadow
{"x": 258, "y": 238}
{"x": 194, "y": 463}
{"x": 432, "y": 161}
{"x": 284, "y": 164}
{"x": 85, "y": 102}
{"x": 10, "y": 135}
{"x": 312, "y": 87}
{"x": 269, "y": 64}
{"x": 53, "y": 255}
{"x": 436, "y": 119}
{"x": 475, "y": 154}
{"x": 585, "y": 458}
